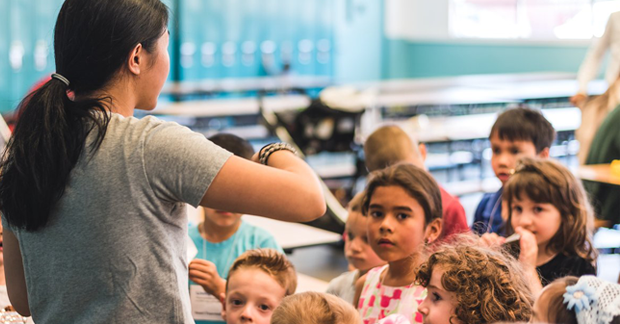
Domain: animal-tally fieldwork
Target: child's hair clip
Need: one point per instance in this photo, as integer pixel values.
(579, 296)
(594, 301)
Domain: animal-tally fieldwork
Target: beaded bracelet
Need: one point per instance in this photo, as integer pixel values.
(269, 149)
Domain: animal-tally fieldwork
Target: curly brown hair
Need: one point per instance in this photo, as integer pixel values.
(489, 285)
(547, 181)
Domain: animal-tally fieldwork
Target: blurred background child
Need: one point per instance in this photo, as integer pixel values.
(403, 204)
(257, 283)
(573, 300)
(468, 283)
(220, 238)
(314, 308)
(357, 251)
(548, 207)
(389, 145)
(517, 133)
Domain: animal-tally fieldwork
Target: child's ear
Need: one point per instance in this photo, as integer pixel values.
(544, 154)
(423, 153)
(433, 230)
(223, 301)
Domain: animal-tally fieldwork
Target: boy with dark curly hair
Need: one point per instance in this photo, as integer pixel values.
(468, 283)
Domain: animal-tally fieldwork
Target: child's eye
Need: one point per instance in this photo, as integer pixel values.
(538, 209)
(496, 150)
(435, 297)
(264, 307)
(517, 209)
(402, 216)
(350, 236)
(365, 239)
(236, 302)
(376, 214)
(515, 151)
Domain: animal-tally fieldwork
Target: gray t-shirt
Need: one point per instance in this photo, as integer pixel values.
(114, 249)
(343, 286)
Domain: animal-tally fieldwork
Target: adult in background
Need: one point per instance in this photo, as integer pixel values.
(592, 62)
(107, 190)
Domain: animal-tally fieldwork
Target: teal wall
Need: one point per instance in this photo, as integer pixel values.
(408, 59)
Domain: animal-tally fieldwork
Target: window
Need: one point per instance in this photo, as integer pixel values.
(529, 19)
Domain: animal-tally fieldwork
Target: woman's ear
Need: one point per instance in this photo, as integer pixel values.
(433, 230)
(136, 60)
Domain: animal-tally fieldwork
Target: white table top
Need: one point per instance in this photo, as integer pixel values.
(293, 235)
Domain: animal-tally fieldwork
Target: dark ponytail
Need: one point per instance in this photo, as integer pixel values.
(92, 41)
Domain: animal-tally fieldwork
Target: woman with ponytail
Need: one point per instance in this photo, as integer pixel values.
(92, 199)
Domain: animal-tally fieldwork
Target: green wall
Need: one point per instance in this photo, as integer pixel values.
(408, 59)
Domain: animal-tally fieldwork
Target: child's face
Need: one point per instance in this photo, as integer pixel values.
(396, 224)
(543, 220)
(356, 248)
(221, 218)
(439, 305)
(506, 153)
(251, 297)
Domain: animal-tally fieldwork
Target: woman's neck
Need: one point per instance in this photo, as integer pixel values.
(400, 273)
(122, 97)
(2, 278)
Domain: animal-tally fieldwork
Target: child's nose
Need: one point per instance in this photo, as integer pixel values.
(247, 315)
(423, 308)
(525, 219)
(387, 225)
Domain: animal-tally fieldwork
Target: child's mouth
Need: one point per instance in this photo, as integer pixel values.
(385, 242)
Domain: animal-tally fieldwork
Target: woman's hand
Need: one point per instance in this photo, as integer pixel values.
(204, 273)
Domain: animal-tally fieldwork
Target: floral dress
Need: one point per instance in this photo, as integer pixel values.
(378, 301)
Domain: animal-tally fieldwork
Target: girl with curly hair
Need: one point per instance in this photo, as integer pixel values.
(549, 209)
(469, 283)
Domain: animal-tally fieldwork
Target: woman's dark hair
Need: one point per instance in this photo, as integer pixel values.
(92, 41)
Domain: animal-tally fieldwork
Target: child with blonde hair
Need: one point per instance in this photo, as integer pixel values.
(469, 283)
(357, 251)
(572, 300)
(548, 208)
(389, 145)
(257, 282)
(314, 308)
(403, 204)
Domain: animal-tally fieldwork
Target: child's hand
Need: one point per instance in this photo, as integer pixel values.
(492, 239)
(528, 248)
(204, 273)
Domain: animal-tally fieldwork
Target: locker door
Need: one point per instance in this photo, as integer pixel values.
(211, 42)
(231, 47)
(20, 50)
(249, 37)
(4, 57)
(324, 37)
(305, 39)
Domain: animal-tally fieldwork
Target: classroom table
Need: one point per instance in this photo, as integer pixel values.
(288, 235)
(598, 173)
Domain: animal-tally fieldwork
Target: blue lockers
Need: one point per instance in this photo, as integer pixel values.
(218, 39)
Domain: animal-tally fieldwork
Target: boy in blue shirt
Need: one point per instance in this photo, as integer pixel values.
(517, 133)
(220, 238)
